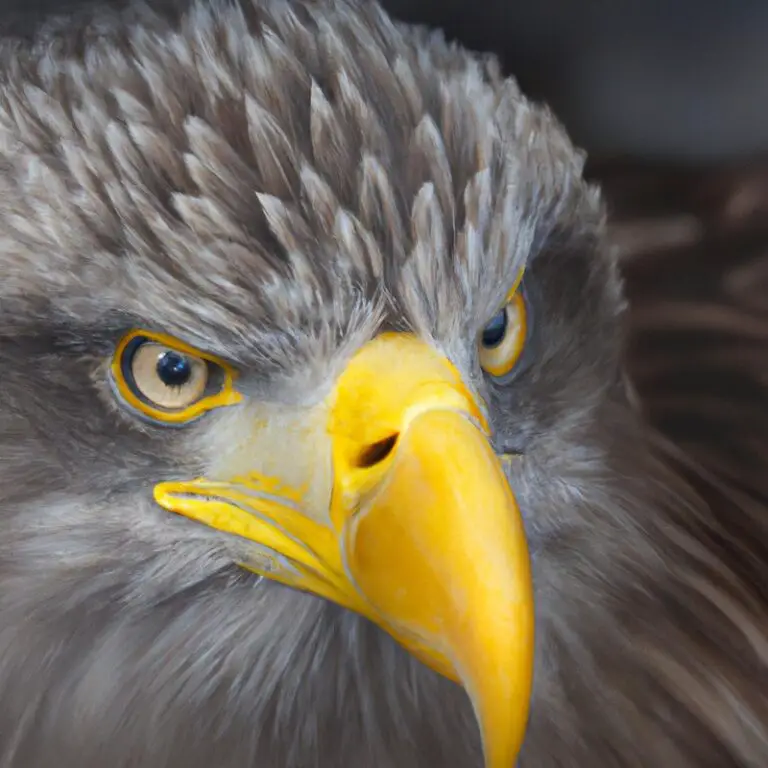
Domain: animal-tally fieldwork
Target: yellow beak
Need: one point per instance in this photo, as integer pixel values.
(421, 532)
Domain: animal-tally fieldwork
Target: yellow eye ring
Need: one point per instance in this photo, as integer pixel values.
(169, 381)
(502, 340)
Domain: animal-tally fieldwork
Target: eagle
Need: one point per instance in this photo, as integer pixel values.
(317, 446)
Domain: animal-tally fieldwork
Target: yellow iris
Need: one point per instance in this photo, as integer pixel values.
(503, 338)
(169, 381)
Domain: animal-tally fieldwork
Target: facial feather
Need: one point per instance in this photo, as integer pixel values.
(276, 182)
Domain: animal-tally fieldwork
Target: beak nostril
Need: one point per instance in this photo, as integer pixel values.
(376, 452)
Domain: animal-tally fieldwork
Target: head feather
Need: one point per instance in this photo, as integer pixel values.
(232, 148)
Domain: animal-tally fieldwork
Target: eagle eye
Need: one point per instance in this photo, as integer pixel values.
(166, 378)
(502, 339)
(496, 330)
(168, 381)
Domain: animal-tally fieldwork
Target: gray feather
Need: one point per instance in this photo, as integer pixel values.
(277, 182)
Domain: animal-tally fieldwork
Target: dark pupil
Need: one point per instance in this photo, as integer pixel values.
(494, 332)
(173, 369)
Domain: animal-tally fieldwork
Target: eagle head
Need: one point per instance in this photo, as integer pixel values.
(310, 353)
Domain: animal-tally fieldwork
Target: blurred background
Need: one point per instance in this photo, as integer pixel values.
(670, 99)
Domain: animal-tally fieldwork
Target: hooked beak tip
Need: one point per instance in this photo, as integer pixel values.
(439, 553)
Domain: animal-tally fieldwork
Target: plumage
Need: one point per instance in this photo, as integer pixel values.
(275, 183)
